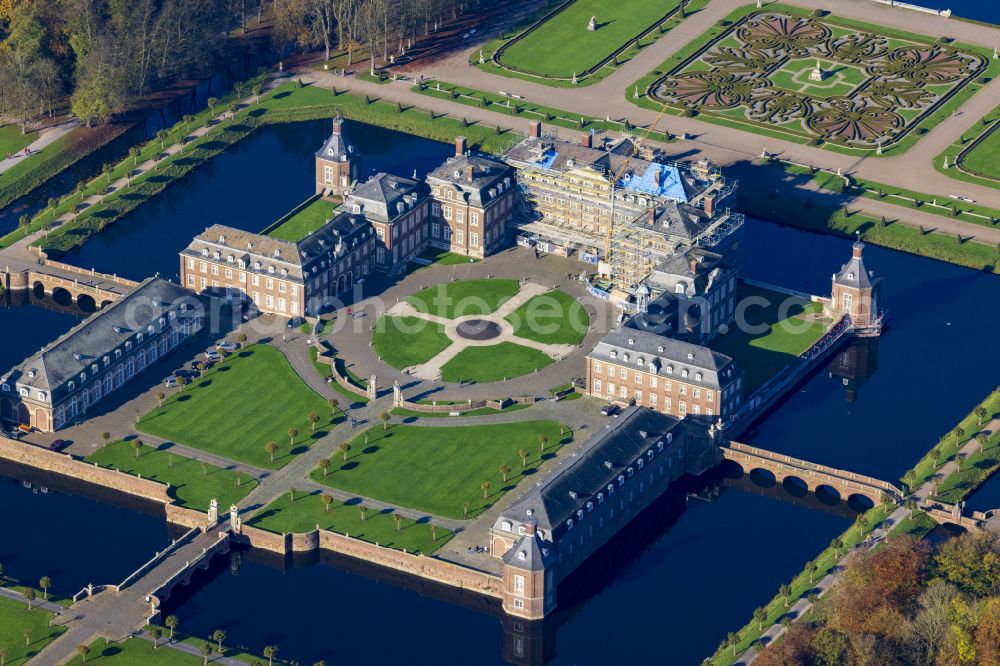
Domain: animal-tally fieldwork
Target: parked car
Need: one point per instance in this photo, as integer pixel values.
(610, 409)
(295, 322)
(58, 444)
(187, 374)
(170, 382)
(213, 356)
(227, 346)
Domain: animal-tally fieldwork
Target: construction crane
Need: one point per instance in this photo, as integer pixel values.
(637, 143)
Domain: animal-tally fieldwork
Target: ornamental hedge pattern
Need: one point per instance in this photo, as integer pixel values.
(884, 86)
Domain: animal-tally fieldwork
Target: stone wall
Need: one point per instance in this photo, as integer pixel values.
(60, 463)
(418, 565)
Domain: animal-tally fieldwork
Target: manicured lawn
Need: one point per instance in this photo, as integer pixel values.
(985, 158)
(467, 297)
(192, 484)
(405, 341)
(554, 317)
(438, 470)
(323, 370)
(11, 139)
(308, 510)
(493, 363)
(137, 652)
(15, 619)
(252, 398)
(787, 334)
(563, 46)
(839, 79)
(303, 221)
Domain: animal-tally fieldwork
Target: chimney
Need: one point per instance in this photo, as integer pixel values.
(535, 129)
(588, 140)
(470, 173)
(709, 204)
(337, 123)
(652, 216)
(530, 527)
(857, 248)
(657, 176)
(460, 146)
(693, 264)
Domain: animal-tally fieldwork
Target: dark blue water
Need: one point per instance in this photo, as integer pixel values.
(247, 187)
(68, 537)
(970, 9)
(935, 362)
(988, 495)
(24, 329)
(670, 602)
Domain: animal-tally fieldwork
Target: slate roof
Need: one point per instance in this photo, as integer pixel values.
(717, 370)
(99, 335)
(337, 146)
(528, 553)
(381, 195)
(487, 172)
(853, 273)
(338, 236)
(598, 462)
(676, 269)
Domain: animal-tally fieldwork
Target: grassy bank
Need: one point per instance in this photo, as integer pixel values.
(304, 511)
(288, 103)
(802, 213)
(23, 632)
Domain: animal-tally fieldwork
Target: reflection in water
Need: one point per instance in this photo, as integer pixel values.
(678, 548)
(854, 365)
(28, 322)
(60, 527)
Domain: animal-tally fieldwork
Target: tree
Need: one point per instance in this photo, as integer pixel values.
(83, 651)
(812, 568)
(334, 405)
(385, 417)
(155, 633)
(218, 636)
(232, 108)
(344, 447)
(981, 439)
(759, 616)
(988, 633)
(212, 101)
(206, 652)
(327, 501)
(3, 656)
(313, 418)
(862, 522)
(524, 457)
(171, 623)
(271, 447)
(971, 562)
(291, 494)
(434, 537)
(836, 544)
(292, 434)
(324, 464)
(161, 136)
(485, 487)
(97, 99)
(959, 432)
(256, 92)
(270, 652)
(136, 445)
(542, 441)
(786, 592)
(980, 415)
(732, 640)
(204, 469)
(27, 636)
(24, 221)
(45, 583)
(398, 519)
(362, 509)
(200, 367)
(504, 471)
(160, 395)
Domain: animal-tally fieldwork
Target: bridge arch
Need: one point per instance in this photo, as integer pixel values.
(62, 296)
(828, 494)
(763, 477)
(795, 485)
(38, 289)
(105, 304)
(860, 501)
(86, 303)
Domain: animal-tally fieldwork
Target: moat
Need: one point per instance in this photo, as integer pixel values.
(839, 416)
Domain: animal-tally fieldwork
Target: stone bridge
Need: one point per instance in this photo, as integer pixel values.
(64, 283)
(815, 476)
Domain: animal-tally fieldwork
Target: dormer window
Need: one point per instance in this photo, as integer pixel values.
(690, 355)
(94, 369)
(625, 358)
(614, 354)
(270, 269)
(669, 369)
(216, 255)
(684, 372)
(506, 526)
(640, 361)
(698, 376)
(569, 524)
(204, 251)
(679, 288)
(41, 395)
(850, 276)
(521, 555)
(256, 265)
(284, 271)
(631, 341)
(356, 209)
(659, 348)
(222, 239)
(69, 385)
(230, 258)
(277, 252)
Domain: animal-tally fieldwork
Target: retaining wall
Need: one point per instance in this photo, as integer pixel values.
(418, 565)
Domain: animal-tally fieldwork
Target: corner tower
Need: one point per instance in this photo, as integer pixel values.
(855, 294)
(337, 163)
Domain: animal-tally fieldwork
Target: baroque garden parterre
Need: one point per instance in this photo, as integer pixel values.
(814, 78)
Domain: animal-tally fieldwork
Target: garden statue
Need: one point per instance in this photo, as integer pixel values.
(817, 73)
(481, 58)
(574, 78)
(592, 26)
